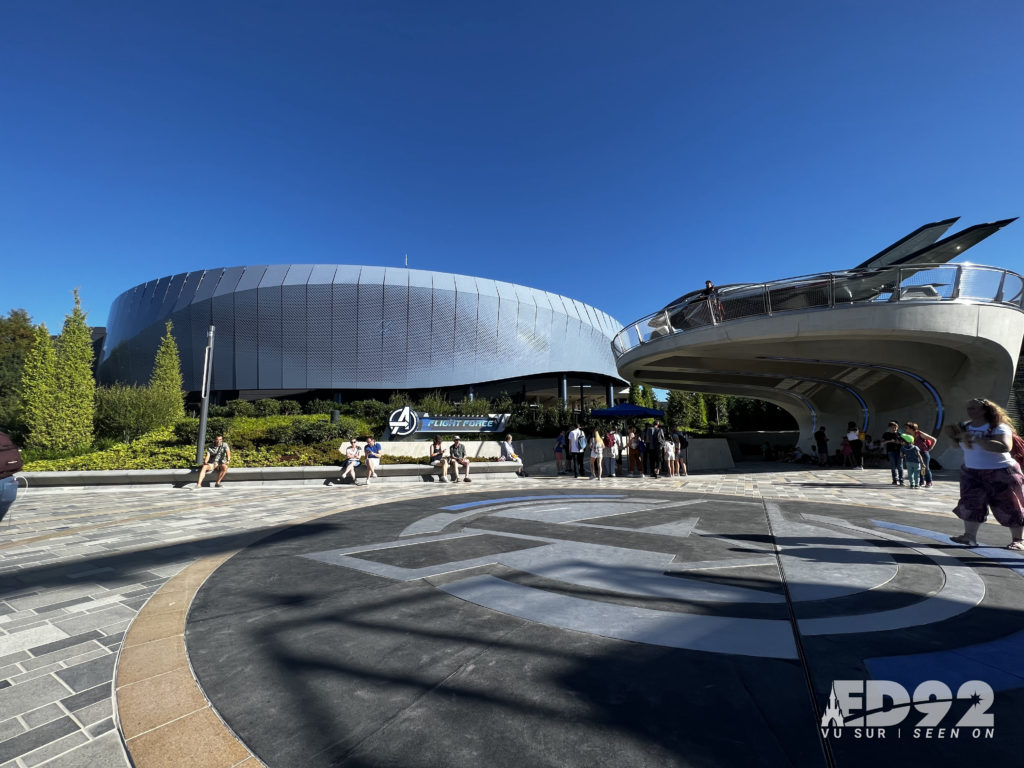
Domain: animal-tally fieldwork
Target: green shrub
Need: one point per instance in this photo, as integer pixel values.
(241, 408)
(187, 429)
(321, 406)
(436, 404)
(219, 410)
(128, 412)
(267, 407)
(290, 407)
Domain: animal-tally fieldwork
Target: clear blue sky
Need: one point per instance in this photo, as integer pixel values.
(616, 152)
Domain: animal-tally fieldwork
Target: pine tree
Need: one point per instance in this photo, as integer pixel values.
(700, 414)
(636, 394)
(648, 396)
(76, 388)
(39, 406)
(166, 382)
(677, 410)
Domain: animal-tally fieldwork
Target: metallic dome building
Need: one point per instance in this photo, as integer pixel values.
(325, 327)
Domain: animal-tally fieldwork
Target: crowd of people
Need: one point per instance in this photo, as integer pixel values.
(653, 451)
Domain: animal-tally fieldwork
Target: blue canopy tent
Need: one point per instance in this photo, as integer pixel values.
(626, 411)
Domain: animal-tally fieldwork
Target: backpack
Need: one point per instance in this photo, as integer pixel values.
(608, 440)
(10, 456)
(683, 442)
(582, 443)
(1017, 449)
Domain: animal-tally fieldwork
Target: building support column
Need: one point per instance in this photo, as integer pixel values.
(564, 391)
(611, 396)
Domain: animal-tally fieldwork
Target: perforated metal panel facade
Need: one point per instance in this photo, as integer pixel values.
(342, 327)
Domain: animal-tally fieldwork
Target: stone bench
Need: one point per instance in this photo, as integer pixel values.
(320, 475)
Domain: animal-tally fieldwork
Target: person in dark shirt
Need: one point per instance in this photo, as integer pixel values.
(892, 442)
(217, 457)
(458, 459)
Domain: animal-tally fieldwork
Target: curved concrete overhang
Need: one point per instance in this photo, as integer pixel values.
(868, 363)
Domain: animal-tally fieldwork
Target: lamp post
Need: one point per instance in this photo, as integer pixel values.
(205, 392)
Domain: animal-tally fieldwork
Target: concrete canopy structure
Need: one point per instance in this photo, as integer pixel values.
(904, 336)
(291, 328)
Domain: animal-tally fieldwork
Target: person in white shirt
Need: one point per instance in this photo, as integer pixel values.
(352, 454)
(576, 451)
(990, 477)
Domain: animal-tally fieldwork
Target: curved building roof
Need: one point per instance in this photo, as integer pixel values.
(328, 326)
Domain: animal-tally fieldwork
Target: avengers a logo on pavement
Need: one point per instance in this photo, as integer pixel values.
(884, 709)
(670, 571)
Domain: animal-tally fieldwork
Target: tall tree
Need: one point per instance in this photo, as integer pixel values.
(700, 412)
(677, 410)
(16, 335)
(636, 394)
(76, 387)
(39, 399)
(166, 381)
(648, 397)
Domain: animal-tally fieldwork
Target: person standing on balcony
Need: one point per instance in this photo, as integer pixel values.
(710, 293)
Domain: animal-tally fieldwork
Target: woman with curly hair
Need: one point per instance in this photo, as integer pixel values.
(990, 477)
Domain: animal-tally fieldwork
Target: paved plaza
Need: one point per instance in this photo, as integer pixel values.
(519, 622)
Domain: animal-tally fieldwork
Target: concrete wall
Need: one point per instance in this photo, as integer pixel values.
(539, 456)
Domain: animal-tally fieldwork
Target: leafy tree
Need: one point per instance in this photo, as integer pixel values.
(166, 382)
(636, 394)
(76, 388)
(16, 335)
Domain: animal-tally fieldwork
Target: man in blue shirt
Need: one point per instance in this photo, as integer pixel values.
(372, 452)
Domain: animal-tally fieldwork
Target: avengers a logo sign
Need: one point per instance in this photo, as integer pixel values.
(403, 422)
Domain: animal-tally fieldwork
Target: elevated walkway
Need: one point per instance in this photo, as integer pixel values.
(863, 345)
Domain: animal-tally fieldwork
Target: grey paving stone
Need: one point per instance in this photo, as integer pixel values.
(43, 715)
(104, 752)
(35, 738)
(87, 697)
(57, 606)
(95, 712)
(101, 727)
(10, 728)
(112, 640)
(41, 650)
(88, 621)
(32, 694)
(64, 653)
(10, 671)
(84, 676)
(55, 748)
(11, 658)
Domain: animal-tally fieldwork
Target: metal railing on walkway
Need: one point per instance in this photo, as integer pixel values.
(921, 283)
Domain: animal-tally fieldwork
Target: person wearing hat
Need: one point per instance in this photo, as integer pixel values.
(912, 459)
(457, 453)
